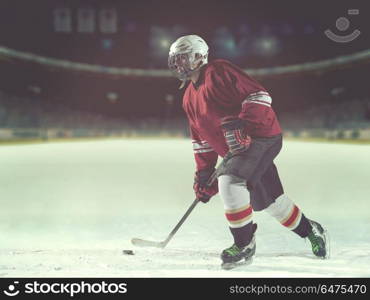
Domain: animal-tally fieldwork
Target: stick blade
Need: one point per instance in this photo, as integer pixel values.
(146, 243)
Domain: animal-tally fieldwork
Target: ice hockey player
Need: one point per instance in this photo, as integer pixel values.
(230, 115)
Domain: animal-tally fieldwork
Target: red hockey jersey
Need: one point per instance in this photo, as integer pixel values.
(223, 90)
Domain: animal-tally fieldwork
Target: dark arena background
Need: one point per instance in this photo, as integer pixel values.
(95, 147)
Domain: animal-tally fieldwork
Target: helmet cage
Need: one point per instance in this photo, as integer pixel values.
(182, 65)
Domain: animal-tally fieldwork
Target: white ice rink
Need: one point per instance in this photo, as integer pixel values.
(69, 209)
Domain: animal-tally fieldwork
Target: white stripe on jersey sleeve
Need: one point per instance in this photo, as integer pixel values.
(201, 147)
(262, 98)
(203, 150)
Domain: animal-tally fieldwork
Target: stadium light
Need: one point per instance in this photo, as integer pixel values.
(267, 46)
(165, 43)
(225, 43)
(107, 44)
(112, 97)
(161, 39)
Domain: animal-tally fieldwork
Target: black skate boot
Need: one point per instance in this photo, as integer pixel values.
(235, 256)
(319, 240)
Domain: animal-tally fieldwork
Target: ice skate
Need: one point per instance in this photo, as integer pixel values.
(319, 240)
(235, 256)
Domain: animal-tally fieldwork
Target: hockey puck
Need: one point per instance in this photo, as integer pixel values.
(128, 252)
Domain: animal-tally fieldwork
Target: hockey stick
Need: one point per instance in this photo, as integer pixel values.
(146, 243)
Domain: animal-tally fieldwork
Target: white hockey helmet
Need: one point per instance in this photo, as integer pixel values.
(187, 54)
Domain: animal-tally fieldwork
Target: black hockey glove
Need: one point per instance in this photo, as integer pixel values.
(202, 188)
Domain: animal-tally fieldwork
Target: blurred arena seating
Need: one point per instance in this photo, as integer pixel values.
(27, 120)
(23, 118)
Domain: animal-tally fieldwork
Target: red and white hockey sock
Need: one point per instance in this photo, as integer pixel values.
(238, 211)
(289, 215)
(239, 217)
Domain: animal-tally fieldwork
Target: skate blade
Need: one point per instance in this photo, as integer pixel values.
(229, 266)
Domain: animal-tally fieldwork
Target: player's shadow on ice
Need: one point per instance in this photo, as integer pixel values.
(258, 254)
(210, 260)
(287, 254)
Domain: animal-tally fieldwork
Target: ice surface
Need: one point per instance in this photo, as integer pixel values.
(69, 209)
